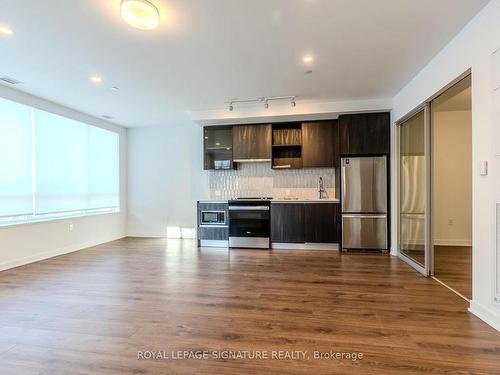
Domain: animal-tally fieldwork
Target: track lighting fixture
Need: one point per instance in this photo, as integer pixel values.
(264, 99)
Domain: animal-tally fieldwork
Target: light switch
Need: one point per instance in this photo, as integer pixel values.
(483, 168)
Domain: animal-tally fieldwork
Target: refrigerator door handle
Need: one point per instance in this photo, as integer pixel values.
(343, 184)
(363, 216)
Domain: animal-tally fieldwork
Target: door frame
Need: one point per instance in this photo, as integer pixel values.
(426, 268)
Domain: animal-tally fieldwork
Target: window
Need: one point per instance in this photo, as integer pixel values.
(52, 166)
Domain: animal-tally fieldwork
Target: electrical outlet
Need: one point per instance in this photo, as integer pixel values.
(451, 222)
(71, 227)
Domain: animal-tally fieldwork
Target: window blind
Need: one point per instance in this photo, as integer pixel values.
(16, 138)
(52, 165)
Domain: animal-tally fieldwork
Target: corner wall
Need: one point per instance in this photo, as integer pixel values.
(471, 48)
(26, 243)
(166, 178)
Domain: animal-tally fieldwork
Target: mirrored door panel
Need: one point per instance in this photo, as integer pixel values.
(413, 195)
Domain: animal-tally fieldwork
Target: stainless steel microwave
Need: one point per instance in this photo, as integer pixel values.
(213, 218)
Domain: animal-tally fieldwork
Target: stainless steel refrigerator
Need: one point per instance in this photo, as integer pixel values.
(364, 203)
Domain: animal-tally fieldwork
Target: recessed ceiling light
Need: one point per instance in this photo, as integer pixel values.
(308, 72)
(96, 79)
(114, 88)
(4, 30)
(140, 14)
(308, 59)
(107, 117)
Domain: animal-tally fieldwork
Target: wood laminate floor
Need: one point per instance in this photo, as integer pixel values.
(453, 266)
(91, 311)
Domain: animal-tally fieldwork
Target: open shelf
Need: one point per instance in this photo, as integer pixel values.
(287, 145)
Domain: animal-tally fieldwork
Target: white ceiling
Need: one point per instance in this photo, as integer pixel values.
(206, 52)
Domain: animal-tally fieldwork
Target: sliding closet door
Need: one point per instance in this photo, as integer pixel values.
(413, 194)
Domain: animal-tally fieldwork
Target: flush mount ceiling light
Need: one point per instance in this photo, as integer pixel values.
(96, 79)
(140, 14)
(308, 59)
(4, 30)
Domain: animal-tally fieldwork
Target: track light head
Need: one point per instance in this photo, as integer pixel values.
(292, 102)
(266, 104)
(231, 107)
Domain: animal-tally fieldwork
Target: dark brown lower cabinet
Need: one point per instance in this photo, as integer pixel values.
(287, 222)
(305, 222)
(322, 221)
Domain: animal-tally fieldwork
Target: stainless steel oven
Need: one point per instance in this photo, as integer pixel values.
(249, 223)
(209, 218)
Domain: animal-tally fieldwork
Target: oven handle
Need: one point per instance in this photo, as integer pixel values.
(249, 208)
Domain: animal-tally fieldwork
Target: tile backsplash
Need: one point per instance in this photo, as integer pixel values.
(260, 180)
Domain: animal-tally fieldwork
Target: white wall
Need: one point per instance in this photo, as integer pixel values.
(471, 48)
(452, 184)
(166, 178)
(26, 243)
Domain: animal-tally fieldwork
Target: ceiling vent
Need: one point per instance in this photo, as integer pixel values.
(10, 81)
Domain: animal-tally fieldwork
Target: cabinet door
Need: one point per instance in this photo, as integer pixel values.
(320, 144)
(217, 147)
(322, 222)
(367, 133)
(252, 142)
(287, 222)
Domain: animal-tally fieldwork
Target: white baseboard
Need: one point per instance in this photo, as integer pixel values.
(157, 235)
(61, 251)
(147, 235)
(487, 314)
(442, 242)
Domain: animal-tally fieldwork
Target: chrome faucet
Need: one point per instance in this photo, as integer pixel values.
(321, 189)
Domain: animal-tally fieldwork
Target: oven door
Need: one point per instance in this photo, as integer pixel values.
(249, 221)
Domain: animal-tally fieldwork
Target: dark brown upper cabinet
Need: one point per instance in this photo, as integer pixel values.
(320, 144)
(364, 134)
(252, 142)
(218, 147)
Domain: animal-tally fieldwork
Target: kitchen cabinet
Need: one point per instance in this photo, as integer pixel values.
(322, 222)
(212, 232)
(252, 142)
(320, 144)
(287, 146)
(287, 222)
(305, 222)
(364, 134)
(218, 147)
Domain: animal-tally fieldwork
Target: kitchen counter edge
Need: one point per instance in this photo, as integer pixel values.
(306, 200)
